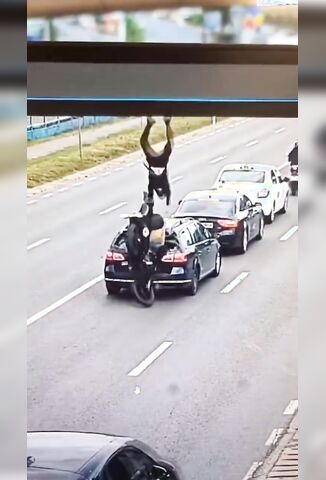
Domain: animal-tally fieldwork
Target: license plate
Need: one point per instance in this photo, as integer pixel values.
(208, 224)
(124, 264)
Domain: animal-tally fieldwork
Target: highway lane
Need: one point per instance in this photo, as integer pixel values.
(74, 237)
(212, 399)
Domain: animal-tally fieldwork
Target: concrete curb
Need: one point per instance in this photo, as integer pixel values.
(277, 464)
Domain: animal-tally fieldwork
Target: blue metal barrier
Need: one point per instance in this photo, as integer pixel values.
(59, 126)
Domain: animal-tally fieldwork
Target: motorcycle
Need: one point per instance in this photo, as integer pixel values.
(294, 180)
(143, 259)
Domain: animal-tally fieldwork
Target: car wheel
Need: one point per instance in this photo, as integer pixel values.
(294, 190)
(193, 288)
(244, 242)
(218, 264)
(271, 217)
(285, 206)
(112, 288)
(261, 229)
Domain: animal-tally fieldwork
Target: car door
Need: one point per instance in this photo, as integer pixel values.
(275, 191)
(210, 246)
(246, 214)
(199, 242)
(284, 188)
(277, 185)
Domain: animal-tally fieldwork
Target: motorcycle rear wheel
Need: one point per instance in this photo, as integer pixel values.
(144, 295)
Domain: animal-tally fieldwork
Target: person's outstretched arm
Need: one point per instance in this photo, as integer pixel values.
(144, 139)
(169, 135)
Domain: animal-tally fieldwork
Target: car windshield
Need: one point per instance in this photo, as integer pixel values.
(243, 176)
(208, 207)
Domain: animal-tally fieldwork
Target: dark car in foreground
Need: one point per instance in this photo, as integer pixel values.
(190, 253)
(229, 216)
(92, 456)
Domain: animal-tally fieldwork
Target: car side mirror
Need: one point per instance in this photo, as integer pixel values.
(163, 473)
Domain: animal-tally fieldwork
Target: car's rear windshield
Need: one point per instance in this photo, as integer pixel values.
(208, 207)
(120, 242)
(243, 176)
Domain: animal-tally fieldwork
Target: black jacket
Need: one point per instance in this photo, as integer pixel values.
(293, 156)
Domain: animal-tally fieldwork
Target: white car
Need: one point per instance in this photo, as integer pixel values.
(264, 182)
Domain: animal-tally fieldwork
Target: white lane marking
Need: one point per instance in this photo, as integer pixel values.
(285, 164)
(292, 408)
(274, 437)
(232, 285)
(63, 300)
(137, 390)
(289, 234)
(63, 189)
(112, 209)
(31, 202)
(77, 184)
(47, 195)
(176, 179)
(105, 174)
(92, 179)
(130, 164)
(38, 243)
(219, 159)
(119, 169)
(252, 143)
(280, 130)
(252, 470)
(150, 359)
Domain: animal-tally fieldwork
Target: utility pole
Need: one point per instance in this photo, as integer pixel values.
(80, 141)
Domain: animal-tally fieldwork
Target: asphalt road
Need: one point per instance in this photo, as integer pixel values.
(228, 369)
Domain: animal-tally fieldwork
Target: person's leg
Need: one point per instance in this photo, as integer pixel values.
(144, 139)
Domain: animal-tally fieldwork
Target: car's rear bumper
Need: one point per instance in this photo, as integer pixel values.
(230, 240)
(156, 281)
(167, 279)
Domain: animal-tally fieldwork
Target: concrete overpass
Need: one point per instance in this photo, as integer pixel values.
(56, 8)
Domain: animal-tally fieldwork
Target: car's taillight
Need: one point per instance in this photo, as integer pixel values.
(177, 258)
(228, 223)
(115, 256)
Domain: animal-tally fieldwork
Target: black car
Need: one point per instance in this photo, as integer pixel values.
(190, 253)
(92, 456)
(230, 216)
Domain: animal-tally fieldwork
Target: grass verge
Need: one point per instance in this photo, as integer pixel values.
(60, 164)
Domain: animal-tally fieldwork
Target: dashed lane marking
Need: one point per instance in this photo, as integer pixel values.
(235, 283)
(62, 301)
(38, 243)
(289, 234)
(218, 159)
(113, 208)
(252, 143)
(150, 359)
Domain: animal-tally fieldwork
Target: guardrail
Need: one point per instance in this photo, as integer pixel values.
(59, 125)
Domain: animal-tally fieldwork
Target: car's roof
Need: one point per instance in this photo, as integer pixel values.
(212, 194)
(69, 451)
(248, 166)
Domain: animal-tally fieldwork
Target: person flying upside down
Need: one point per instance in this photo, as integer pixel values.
(157, 162)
